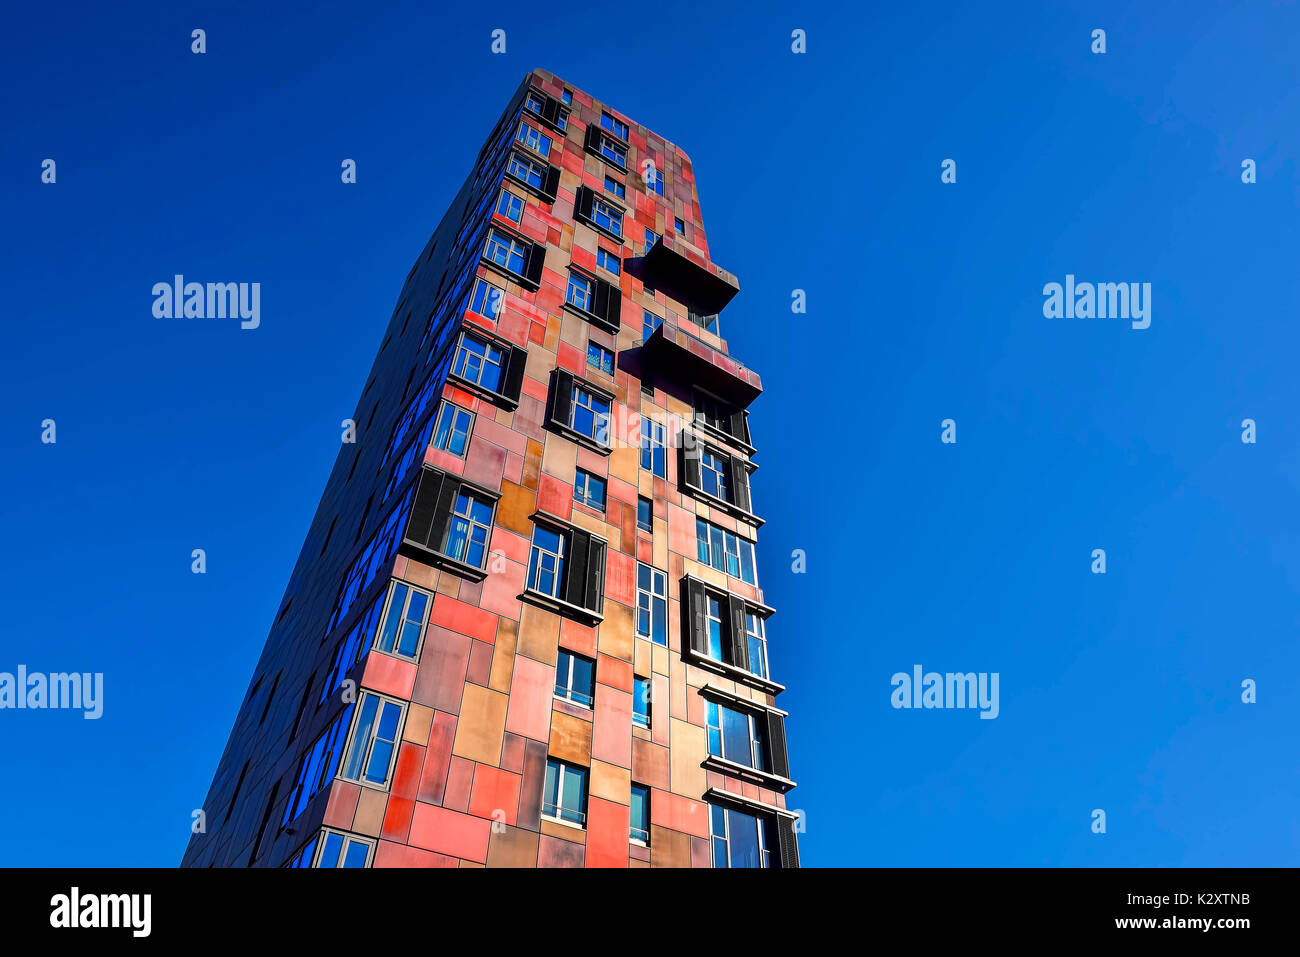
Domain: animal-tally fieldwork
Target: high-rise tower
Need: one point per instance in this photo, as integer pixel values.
(525, 628)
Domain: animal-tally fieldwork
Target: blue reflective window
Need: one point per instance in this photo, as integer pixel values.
(469, 530)
(589, 490)
(564, 792)
(600, 358)
(614, 186)
(639, 830)
(575, 678)
(607, 260)
(641, 702)
(479, 361)
(404, 622)
(546, 561)
(452, 432)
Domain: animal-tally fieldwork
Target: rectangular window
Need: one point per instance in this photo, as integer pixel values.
(575, 678)
(649, 323)
(506, 251)
(652, 447)
(600, 358)
(546, 563)
(614, 186)
(652, 604)
(564, 793)
(737, 736)
(740, 839)
(580, 292)
(567, 97)
(487, 299)
(404, 622)
(607, 260)
(589, 490)
(714, 474)
(374, 740)
(651, 237)
(644, 514)
(589, 415)
(679, 226)
(639, 831)
(510, 206)
(713, 628)
(534, 103)
(336, 850)
(654, 180)
(617, 127)
(724, 551)
(757, 644)
(641, 701)
(452, 431)
(534, 139)
(351, 648)
(526, 170)
(479, 361)
(613, 151)
(607, 216)
(469, 530)
(708, 323)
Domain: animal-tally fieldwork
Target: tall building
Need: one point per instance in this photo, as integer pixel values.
(525, 628)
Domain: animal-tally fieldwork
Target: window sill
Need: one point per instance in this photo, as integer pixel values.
(560, 606)
(510, 275)
(496, 398)
(601, 229)
(563, 823)
(745, 773)
(584, 712)
(722, 503)
(430, 557)
(576, 436)
(600, 322)
(731, 671)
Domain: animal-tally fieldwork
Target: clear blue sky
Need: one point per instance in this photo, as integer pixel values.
(818, 172)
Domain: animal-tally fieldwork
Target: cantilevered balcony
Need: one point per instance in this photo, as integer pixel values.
(684, 273)
(676, 352)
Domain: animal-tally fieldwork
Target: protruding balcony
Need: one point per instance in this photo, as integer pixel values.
(683, 272)
(689, 358)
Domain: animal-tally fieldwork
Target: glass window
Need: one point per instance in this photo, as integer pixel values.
(607, 217)
(757, 645)
(649, 323)
(643, 514)
(400, 634)
(510, 206)
(739, 839)
(534, 139)
(567, 97)
(580, 291)
(526, 170)
(487, 299)
(564, 793)
(617, 127)
(506, 251)
(737, 736)
(479, 361)
(652, 447)
(546, 563)
(614, 186)
(651, 237)
(589, 414)
(317, 767)
(374, 740)
(469, 530)
(452, 432)
(679, 226)
(639, 831)
(607, 260)
(641, 701)
(713, 627)
(341, 850)
(534, 103)
(652, 604)
(600, 358)
(724, 551)
(589, 490)
(575, 678)
(654, 180)
(614, 151)
(713, 474)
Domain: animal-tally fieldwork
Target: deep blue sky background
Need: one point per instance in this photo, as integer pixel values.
(819, 172)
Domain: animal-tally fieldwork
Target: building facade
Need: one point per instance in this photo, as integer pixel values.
(525, 628)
